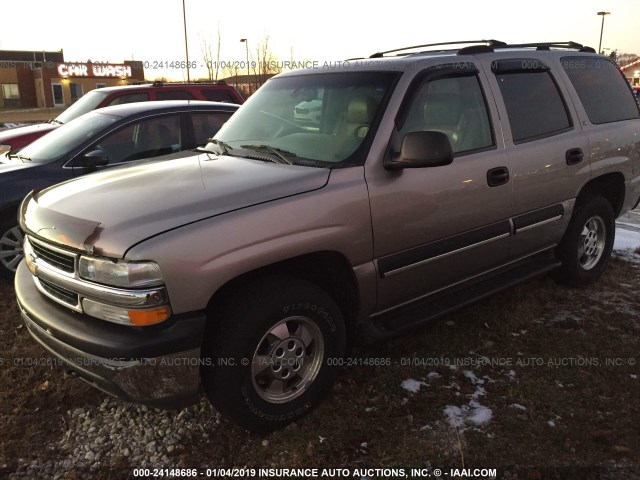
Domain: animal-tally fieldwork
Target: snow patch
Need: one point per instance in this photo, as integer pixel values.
(473, 413)
(412, 385)
(626, 239)
(626, 244)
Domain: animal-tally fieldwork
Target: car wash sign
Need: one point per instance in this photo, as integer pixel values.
(94, 70)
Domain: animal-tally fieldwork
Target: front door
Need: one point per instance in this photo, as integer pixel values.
(436, 226)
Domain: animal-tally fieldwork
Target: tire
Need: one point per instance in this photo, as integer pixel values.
(267, 355)
(11, 239)
(586, 246)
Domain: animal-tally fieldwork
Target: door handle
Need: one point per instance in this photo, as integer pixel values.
(574, 155)
(497, 176)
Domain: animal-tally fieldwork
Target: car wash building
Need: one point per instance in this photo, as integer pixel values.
(632, 72)
(44, 79)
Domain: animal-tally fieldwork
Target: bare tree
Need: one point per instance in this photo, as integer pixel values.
(623, 59)
(230, 72)
(213, 67)
(266, 63)
(207, 57)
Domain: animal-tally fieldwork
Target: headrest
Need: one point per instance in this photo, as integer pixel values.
(442, 109)
(361, 110)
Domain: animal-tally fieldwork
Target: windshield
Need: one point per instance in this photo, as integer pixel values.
(85, 104)
(67, 137)
(314, 120)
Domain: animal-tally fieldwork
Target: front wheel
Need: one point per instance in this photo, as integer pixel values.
(586, 246)
(11, 239)
(268, 355)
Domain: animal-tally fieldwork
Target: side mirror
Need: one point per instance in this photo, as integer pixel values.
(422, 149)
(93, 159)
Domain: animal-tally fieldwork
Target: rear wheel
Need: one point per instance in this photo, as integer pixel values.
(268, 353)
(11, 239)
(586, 246)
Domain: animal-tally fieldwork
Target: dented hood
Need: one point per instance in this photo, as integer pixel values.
(108, 212)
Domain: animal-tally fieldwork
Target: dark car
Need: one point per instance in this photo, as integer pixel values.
(15, 138)
(102, 138)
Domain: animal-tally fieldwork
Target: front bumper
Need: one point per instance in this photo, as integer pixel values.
(158, 366)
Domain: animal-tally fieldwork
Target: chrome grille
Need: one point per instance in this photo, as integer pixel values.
(54, 257)
(62, 294)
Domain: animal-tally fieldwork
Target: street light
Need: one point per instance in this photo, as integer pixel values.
(246, 44)
(186, 46)
(601, 29)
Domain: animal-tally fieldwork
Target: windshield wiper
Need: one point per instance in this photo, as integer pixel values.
(24, 158)
(55, 120)
(224, 148)
(280, 153)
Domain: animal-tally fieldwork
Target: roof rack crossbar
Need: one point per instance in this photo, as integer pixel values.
(569, 45)
(493, 43)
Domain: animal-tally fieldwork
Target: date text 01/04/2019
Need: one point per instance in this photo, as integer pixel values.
(314, 472)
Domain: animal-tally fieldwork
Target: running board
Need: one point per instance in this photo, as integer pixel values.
(426, 310)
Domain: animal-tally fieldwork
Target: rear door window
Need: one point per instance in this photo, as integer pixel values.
(534, 104)
(146, 138)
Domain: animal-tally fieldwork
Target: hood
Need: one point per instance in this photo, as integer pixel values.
(18, 137)
(112, 210)
(17, 178)
(11, 164)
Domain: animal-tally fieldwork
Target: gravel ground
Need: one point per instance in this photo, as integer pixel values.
(120, 432)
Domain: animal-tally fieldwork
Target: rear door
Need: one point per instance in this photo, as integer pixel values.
(546, 147)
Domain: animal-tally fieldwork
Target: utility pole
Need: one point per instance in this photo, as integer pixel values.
(186, 45)
(246, 44)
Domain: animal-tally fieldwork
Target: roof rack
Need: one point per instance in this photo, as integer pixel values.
(492, 43)
(160, 83)
(549, 45)
(483, 46)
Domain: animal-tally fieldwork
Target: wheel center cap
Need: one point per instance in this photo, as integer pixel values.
(287, 358)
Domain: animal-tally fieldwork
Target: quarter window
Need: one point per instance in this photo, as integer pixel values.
(602, 89)
(454, 106)
(206, 125)
(129, 98)
(534, 104)
(218, 96)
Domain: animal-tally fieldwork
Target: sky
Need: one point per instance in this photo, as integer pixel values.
(153, 31)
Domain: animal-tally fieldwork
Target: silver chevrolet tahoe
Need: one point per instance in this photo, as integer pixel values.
(430, 178)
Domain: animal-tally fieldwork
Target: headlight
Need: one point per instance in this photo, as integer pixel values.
(120, 273)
